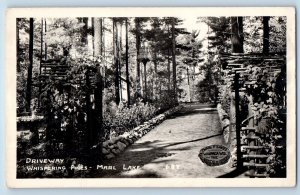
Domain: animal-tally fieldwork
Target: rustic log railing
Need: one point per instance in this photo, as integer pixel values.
(251, 147)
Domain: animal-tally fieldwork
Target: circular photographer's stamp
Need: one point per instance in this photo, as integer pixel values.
(214, 155)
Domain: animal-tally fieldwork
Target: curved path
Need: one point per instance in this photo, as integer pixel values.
(171, 149)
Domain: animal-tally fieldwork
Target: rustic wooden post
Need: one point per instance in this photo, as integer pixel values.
(237, 121)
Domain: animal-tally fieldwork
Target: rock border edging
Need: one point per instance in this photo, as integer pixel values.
(114, 146)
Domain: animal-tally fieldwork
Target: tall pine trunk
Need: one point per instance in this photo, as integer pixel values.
(169, 63)
(169, 71)
(145, 81)
(116, 61)
(127, 65)
(85, 31)
(97, 37)
(138, 45)
(99, 86)
(41, 58)
(174, 61)
(93, 35)
(46, 46)
(42, 39)
(237, 37)
(266, 34)
(29, 72)
(155, 72)
(120, 60)
(18, 46)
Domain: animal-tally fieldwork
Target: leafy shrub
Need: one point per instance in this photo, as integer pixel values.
(118, 119)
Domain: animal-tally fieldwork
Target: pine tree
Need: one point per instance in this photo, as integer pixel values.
(219, 33)
(190, 56)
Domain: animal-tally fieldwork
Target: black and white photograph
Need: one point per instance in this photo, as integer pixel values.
(152, 96)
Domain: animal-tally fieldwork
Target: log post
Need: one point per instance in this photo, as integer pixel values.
(237, 121)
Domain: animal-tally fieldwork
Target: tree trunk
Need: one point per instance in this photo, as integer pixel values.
(174, 60)
(169, 65)
(103, 53)
(145, 81)
(101, 37)
(99, 86)
(169, 72)
(93, 35)
(97, 36)
(42, 33)
(120, 59)
(84, 31)
(29, 73)
(18, 46)
(116, 60)
(127, 65)
(155, 73)
(188, 82)
(138, 44)
(89, 131)
(193, 77)
(237, 37)
(266, 35)
(46, 47)
(96, 116)
(41, 57)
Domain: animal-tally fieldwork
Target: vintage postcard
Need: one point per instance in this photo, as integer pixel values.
(151, 97)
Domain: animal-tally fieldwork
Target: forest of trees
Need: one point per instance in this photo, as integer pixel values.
(119, 43)
(119, 72)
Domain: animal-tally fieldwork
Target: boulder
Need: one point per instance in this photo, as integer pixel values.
(110, 156)
(116, 151)
(226, 134)
(224, 116)
(121, 146)
(225, 123)
(105, 144)
(126, 142)
(112, 146)
(105, 151)
(137, 128)
(114, 140)
(131, 141)
(136, 134)
(125, 135)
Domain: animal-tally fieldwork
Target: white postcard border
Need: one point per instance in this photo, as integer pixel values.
(13, 13)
